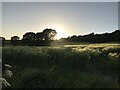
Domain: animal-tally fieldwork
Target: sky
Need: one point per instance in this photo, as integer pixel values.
(60, 0)
(67, 18)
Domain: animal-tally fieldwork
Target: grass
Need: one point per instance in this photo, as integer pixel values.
(81, 66)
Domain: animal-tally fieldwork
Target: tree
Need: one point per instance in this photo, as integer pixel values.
(29, 38)
(48, 35)
(2, 41)
(116, 36)
(15, 40)
(73, 38)
(39, 36)
(39, 39)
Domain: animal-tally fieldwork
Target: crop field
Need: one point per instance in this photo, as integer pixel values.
(65, 66)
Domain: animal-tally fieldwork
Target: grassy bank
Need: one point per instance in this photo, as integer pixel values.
(81, 66)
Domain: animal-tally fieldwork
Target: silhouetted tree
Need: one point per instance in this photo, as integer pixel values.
(29, 38)
(97, 38)
(2, 41)
(15, 40)
(73, 38)
(39, 39)
(48, 35)
(115, 36)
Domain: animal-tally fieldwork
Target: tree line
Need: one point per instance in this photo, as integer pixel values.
(45, 38)
(95, 38)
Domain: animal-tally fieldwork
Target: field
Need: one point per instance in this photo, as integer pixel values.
(64, 66)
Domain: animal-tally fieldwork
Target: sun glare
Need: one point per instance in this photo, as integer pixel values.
(61, 33)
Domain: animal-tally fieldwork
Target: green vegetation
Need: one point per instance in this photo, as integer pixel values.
(70, 66)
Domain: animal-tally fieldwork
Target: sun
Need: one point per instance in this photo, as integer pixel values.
(61, 33)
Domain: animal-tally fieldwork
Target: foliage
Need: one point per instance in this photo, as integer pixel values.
(15, 40)
(28, 38)
(95, 38)
(39, 39)
(82, 66)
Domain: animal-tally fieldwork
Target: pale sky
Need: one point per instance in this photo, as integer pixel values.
(60, 0)
(67, 18)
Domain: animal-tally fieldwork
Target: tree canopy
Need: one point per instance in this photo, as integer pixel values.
(15, 40)
(40, 38)
(45, 38)
(96, 38)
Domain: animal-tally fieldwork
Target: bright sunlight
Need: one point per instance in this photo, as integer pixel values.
(61, 33)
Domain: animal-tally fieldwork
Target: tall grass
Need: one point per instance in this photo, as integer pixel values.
(84, 66)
